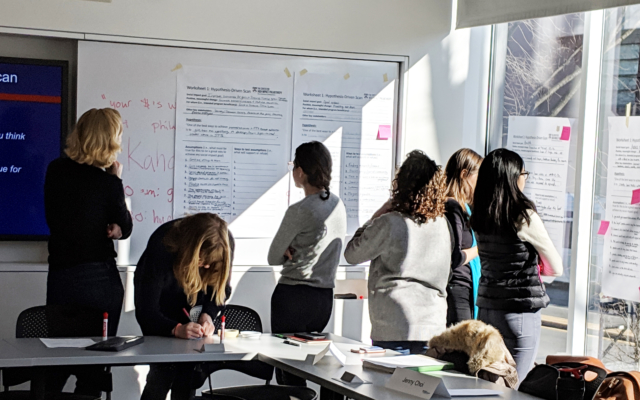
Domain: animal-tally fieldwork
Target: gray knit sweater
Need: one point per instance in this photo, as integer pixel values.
(408, 276)
(315, 230)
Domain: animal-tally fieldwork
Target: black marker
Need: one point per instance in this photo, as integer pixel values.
(291, 343)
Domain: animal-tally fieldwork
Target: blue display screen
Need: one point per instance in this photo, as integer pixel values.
(32, 112)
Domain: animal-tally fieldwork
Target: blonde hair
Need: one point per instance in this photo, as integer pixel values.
(458, 187)
(201, 239)
(96, 138)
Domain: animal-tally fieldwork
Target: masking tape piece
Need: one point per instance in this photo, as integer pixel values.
(304, 71)
(286, 71)
(177, 67)
(385, 78)
(347, 76)
(628, 114)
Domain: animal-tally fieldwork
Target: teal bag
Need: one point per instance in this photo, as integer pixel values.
(475, 272)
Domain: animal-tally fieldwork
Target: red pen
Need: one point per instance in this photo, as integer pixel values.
(184, 310)
(222, 319)
(105, 326)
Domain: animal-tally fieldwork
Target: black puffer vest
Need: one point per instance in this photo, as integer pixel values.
(510, 279)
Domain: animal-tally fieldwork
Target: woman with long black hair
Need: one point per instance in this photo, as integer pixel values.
(515, 249)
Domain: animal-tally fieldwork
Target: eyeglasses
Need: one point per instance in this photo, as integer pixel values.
(291, 166)
(526, 174)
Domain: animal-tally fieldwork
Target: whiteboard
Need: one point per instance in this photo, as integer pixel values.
(140, 82)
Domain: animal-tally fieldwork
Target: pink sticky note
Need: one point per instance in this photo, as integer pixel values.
(604, 227)
(566, 133)
(635, 196)
(384, 132)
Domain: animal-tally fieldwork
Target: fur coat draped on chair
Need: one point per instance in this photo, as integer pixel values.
(477, 349)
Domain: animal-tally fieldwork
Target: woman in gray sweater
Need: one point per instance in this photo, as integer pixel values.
(308, 245)
(409, 244)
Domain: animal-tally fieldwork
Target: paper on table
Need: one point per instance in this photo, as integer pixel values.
(473, 392)
(411, 361)
(76, 343)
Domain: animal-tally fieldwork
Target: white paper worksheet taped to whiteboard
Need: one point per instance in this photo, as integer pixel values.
(140, 82)
(354, 119)
(232, 145)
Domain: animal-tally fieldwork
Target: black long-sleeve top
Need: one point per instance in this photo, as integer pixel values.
(80, 201)
(159, 298)
(459, 220)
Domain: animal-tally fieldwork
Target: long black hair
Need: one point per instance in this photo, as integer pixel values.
(499, 204)
(315, 160)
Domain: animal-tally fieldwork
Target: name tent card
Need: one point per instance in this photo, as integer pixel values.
(416, 384)
(351, 379)
(314, 358)
(425, 386)
(340, 356)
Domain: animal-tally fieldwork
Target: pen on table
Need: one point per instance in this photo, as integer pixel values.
(291, 343)
(105, 326)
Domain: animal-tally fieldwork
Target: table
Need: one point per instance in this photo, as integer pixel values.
(324, 372)
(33, 353)
(269, 349)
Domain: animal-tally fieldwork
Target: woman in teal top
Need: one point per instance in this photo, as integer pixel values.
(462, 173)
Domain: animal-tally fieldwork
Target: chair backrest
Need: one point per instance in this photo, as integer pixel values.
(58, 321)
(240, 318)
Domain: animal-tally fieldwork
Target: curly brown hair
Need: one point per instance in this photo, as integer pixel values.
(419, 188)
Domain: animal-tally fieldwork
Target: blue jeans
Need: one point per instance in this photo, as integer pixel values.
(521, 334)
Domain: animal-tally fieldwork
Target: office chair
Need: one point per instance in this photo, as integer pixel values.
(245, 319)
(55, 321)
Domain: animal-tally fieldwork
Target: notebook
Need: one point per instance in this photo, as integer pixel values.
(414, 362)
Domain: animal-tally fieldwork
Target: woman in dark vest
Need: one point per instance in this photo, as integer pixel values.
(512, 243)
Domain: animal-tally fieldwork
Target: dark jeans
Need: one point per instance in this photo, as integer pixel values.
(93, 285)
(299, 308)
(521, 334)
(403, 346)
(459, 304)
(175, 377)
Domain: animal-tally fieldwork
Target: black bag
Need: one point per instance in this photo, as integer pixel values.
(563, 381)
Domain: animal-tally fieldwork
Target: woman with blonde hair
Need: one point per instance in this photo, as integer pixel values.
(409, 244)
(462, 173)
(187, 263)
(85, 210)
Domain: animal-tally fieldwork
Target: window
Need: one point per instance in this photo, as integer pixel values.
(613, 328)
(535, 100)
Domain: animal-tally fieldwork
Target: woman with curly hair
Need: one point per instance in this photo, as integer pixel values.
(409, 243)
